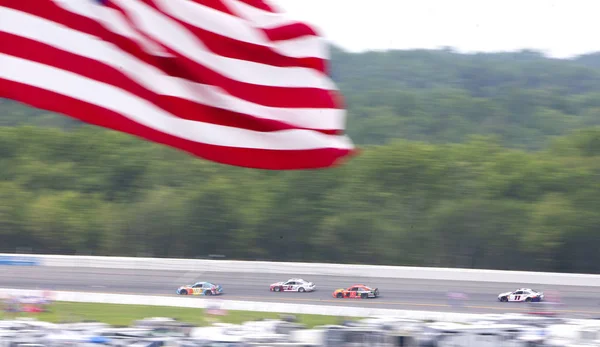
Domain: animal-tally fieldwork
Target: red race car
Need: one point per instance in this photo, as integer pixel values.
(357, 291)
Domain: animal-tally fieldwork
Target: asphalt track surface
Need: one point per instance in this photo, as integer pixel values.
(404, 294)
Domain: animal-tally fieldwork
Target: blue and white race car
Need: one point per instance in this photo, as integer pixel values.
(522, 295)
(200, 288)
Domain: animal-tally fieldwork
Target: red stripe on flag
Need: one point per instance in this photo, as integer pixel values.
(290, 31)
(215, 4)
(260, 4)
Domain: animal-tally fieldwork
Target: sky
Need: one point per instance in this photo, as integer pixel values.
(559, 28)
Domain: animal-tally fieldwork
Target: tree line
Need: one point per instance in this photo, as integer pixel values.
(475, 204)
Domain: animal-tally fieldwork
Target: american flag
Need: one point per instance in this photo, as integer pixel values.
(232, 81)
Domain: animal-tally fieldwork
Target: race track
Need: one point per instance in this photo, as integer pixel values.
(395, 293)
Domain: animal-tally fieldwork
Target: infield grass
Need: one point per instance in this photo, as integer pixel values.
(115, 314)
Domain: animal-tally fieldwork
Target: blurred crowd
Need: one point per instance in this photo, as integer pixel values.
(15, 303)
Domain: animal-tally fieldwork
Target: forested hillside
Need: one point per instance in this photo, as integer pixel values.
(475, 204)
(440, 96)
(487, 161)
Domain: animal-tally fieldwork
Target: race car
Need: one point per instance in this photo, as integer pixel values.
(293, 285)
(522, 295)
(357, 291)
(200, 288)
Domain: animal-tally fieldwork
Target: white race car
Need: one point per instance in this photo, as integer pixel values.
(522, 295)
(293, 285)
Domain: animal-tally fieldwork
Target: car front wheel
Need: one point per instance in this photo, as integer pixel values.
(504, 299)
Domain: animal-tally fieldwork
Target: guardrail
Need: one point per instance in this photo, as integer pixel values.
(289, 268)
(234, 305)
